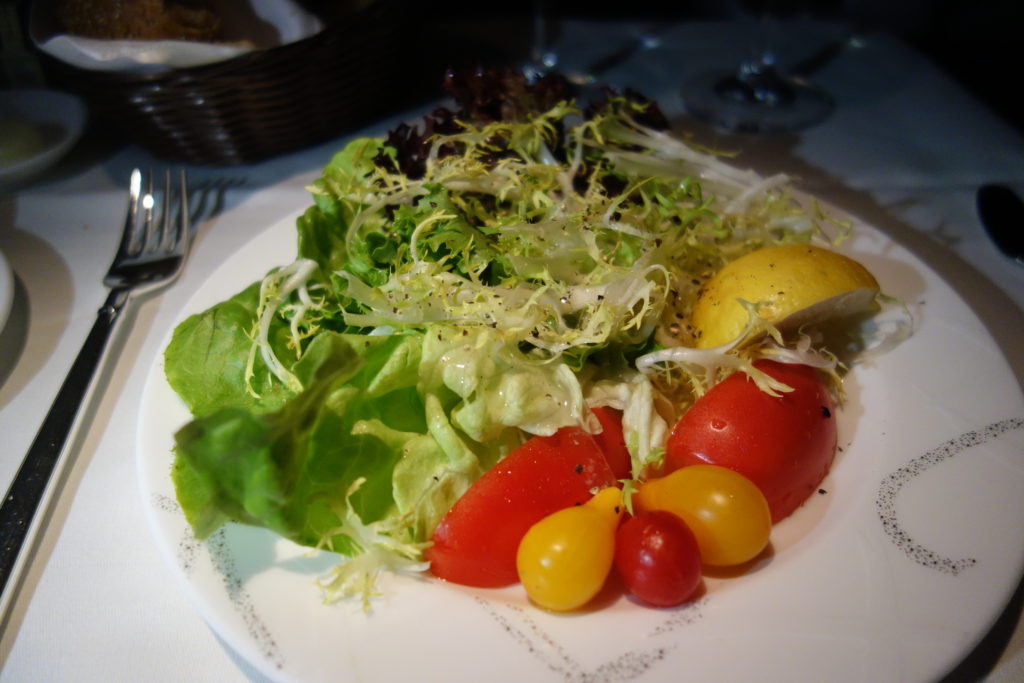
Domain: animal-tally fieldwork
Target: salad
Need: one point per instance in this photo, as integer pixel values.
(509, 285)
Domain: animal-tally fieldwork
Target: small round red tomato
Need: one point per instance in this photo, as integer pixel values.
(657, 558)
(785, 444)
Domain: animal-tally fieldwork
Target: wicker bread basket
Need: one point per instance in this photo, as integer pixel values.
(265, 102)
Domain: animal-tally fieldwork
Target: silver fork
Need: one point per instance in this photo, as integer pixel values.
(153, 249)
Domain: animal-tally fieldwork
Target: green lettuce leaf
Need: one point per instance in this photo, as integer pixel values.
(323, 228)
(289, 469)
(206, 360)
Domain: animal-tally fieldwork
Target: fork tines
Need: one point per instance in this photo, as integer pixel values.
(147, 231)
(156, 237)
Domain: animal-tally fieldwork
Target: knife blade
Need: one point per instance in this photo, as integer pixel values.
(1002, 215)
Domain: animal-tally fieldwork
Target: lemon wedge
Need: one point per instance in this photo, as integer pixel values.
(797, 284)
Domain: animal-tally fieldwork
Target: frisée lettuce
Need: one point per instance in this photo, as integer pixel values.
(455, 290)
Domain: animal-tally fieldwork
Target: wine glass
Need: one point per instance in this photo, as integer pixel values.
(759, 95)
(543, 58)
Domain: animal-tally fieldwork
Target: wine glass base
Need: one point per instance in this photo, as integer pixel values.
(789, 105)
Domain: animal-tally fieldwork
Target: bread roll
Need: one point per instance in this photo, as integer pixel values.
(138, 20)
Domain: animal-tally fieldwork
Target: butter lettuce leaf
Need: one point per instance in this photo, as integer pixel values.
(289, 470)
(206, 360)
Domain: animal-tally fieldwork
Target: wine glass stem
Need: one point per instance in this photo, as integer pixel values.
(758, 78)
(541, 53)
(762, 57)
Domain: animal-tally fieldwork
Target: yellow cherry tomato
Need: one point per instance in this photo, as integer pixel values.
(564, 559)
(727, 513)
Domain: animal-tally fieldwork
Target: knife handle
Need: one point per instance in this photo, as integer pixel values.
(25, 507)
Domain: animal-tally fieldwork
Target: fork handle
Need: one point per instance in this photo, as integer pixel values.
(34, 485)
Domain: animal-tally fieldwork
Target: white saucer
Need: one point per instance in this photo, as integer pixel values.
(6, 290)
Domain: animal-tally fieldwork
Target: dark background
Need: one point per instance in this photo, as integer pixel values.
(975, 41)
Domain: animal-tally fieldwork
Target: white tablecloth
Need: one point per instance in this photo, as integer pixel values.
(905, 151)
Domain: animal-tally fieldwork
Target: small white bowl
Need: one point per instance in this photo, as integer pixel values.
(37, 128)
(6, 292)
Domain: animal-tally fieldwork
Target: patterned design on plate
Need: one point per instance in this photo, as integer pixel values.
(624, 667)
(223, 560)
(680, 617)
(885, 503)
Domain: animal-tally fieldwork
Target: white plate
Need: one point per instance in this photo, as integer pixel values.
(894, 573)
(6, 290)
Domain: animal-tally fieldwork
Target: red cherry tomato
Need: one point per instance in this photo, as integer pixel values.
(783, 444)
(475, 543)
(612, 442)
(657, 558)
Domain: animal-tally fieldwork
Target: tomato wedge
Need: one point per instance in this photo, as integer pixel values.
(475, 543)
(612, 441)
(783, 444)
